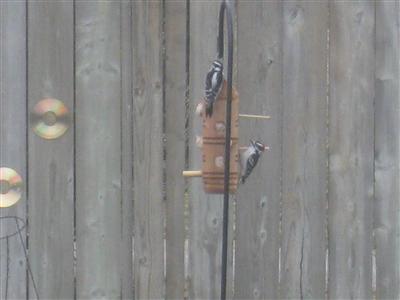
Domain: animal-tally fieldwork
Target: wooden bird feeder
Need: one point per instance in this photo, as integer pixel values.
(213, 146)
(221, 176)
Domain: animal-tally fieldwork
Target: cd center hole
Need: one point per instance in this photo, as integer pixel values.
(4, 187)
(50, 118)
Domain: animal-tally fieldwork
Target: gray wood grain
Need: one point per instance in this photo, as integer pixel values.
(132, 140)
(304, 150)
(351, 149)
(126, 263)
(99, 202)
(149, 213)
(258, 201)
(13, 141)
(175, 133)
(51, 174)
(205, 223)
(387, 150)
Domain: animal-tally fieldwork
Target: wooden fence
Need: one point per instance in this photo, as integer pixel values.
(107, 212)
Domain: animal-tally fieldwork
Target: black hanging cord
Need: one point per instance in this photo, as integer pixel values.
(19, 225)
(226, 7)
(28, 265)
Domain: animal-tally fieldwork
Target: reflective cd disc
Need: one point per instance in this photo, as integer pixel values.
(10, 187)
(50, 118)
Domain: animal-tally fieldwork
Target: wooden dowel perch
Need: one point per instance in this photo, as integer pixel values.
(244, 148)
(255, 116)
(198, 173)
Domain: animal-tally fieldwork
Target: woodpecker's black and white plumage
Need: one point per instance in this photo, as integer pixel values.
(249, 158)
(214, 82)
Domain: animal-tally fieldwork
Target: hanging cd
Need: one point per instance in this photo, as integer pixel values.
(10, 187)
(50, 118)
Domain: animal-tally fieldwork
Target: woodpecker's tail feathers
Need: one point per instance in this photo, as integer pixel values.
(209, 110)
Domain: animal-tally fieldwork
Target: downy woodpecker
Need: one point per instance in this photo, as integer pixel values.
(214, 82)
(249, 158)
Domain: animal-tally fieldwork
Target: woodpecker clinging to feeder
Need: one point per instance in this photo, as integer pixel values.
(214, 82)
(250, 158)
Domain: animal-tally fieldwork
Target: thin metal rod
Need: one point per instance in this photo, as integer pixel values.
(227, 8)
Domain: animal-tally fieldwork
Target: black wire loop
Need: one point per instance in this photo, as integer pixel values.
(20, 225)
(226, 7)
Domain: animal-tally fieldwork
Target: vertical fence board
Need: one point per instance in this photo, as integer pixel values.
(98, 150)
(51, 176)
(205, 225)
(351, 149)
(13, 141)
(122, 83)
(175, 118)
(304, 149)
(148, 150)
(258, 201)
(126, 263)
(387, 151)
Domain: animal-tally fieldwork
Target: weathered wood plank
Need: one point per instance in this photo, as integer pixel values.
(351, 149)
(126, 263)
(148, 150)
(387, 150)
(99, 202)
(304, 153)
(51, 174)
(258, 201)
(205, 224)
(13, 141)
(175, 16)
